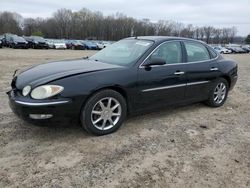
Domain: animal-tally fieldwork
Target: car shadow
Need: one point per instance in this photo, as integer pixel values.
(74, 129)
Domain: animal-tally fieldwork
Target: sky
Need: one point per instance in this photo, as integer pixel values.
(218, 13)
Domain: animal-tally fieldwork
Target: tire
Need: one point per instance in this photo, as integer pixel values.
(89, 113)
(222, 94)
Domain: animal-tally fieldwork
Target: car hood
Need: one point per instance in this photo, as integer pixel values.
(44, 73)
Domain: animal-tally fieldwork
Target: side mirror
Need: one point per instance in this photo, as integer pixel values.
(154, 61)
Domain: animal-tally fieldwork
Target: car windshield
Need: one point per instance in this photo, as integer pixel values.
(39, 39)
(59, 41)
(123, 52)
(19, 39)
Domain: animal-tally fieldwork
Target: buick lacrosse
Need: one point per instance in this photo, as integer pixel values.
(132, 75)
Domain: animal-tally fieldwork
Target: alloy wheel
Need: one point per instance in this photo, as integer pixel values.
(106, 113)
(220, 93)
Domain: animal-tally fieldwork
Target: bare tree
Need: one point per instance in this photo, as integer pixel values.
(86, 24)
(208, 31)
(9, 23)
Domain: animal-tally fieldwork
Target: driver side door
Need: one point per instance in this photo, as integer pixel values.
(160, 85)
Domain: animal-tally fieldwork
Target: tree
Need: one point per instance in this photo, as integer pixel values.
(9, 23)
(208, 33)
(247, 40)
(86, 24)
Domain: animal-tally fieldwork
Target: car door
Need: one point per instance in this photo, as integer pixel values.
(162, 84)
(201, 69)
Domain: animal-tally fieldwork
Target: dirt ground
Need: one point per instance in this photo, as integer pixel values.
(191, 146)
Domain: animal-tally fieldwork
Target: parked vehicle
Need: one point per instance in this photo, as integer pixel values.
(36, 42)
(77, 45)
(17, 42)
(130, 76)
(99, 45)
(50, 43)
(247, 49)
(89, 45)
(59, 44)
(7, 39)
(236, 50)
(222, 50)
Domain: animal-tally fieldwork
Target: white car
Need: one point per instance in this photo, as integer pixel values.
(222, 50)
(59, 44)
(100, 45)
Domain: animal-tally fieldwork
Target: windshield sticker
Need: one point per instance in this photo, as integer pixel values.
(143, 43)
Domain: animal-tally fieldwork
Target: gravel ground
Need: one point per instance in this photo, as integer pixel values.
(191, 146)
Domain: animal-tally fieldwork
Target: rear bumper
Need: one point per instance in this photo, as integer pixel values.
(52, 110)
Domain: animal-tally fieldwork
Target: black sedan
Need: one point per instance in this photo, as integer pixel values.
(37, 42)
(17, 42)
(130, 76)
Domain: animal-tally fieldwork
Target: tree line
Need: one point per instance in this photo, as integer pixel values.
(86, 24)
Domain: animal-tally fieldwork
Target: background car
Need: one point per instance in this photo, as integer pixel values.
(100, 45)
(59, 44)
(236, 49)
(246, 48)
(222, 50)
(36, 42)
(50, 43)
(89, 45)
(77, 45)
(6, 39)
(17, 42)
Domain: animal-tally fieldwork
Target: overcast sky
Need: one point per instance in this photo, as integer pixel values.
(219, 13)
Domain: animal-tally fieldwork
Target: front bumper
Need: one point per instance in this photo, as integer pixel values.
(233, 82)
(29, 109)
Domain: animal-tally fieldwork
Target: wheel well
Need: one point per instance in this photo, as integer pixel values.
(115, 88)
(227, 78)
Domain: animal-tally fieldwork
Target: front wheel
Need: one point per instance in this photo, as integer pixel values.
(104, 112)
(218, 94)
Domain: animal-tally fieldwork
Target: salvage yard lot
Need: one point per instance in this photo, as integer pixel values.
(191, 146)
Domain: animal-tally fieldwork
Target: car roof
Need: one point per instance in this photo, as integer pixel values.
(163, 38)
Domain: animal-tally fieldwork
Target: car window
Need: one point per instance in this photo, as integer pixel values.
(123, 52)
(196, 52)
(170, 52)
(213, 53)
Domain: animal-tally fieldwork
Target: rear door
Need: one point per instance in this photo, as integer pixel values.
(201, 69)
(162, 84)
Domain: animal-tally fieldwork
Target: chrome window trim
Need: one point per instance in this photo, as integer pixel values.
(40, 104)
(174, 86)
(184, 63)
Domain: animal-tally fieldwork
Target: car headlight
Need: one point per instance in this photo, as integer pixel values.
(46, 91)
(26, 90)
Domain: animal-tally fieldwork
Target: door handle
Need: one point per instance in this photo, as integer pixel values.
(179, 73)
(214, 69)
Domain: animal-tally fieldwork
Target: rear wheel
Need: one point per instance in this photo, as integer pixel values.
(218, 94)
(104, 112)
